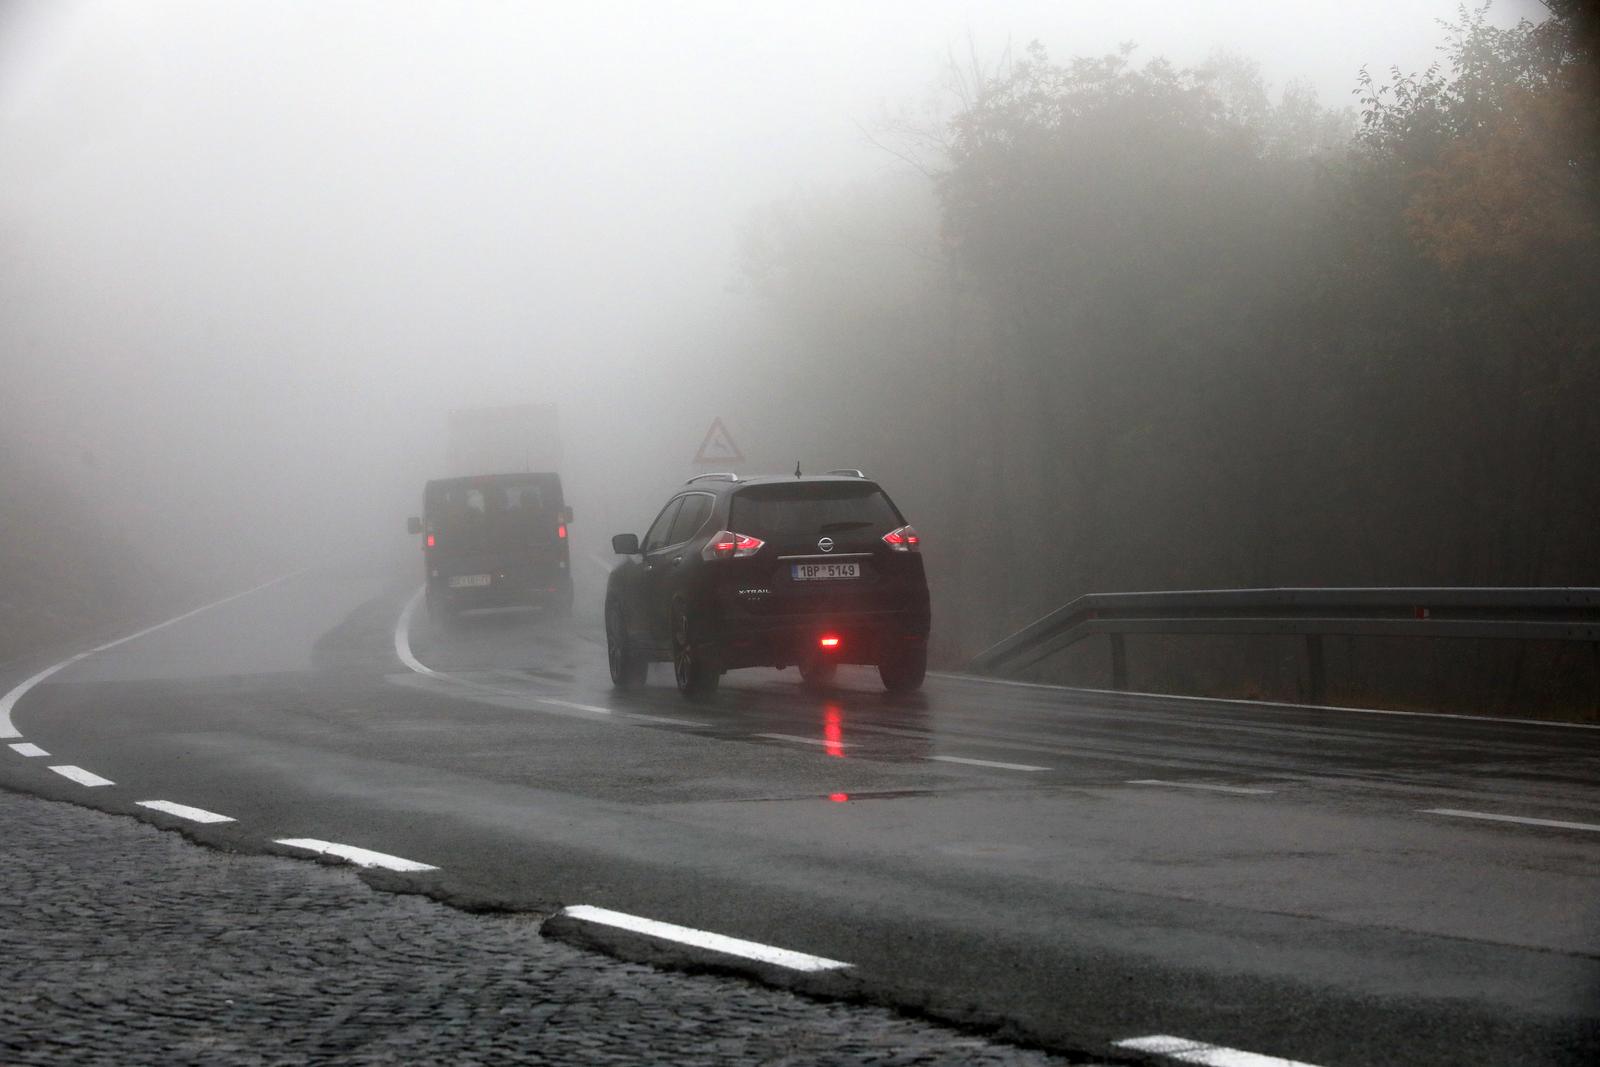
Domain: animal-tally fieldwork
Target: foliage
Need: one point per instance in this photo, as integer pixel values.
(1198, 336)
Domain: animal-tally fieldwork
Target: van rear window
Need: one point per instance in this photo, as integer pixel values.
(810, 509)
(490, 513)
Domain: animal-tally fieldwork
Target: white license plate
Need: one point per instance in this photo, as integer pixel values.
(809, 572)
(468, 581)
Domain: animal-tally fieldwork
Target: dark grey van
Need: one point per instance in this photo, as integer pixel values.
(495, 540)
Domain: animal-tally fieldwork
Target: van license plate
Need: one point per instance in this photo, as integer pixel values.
(807, 572)
(467, 581)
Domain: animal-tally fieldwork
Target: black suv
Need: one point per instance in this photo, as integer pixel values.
(768, 572)
(494, 540)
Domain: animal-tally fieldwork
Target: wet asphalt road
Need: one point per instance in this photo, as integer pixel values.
(1074, 869)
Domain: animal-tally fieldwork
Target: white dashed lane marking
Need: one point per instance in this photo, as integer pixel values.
(1184, 1050)
(988, 763)
(361, 857)
(823, 742)
(25, 748)
(184, 811)
(684, 935)
(1524, 820)
(81, 776)
(696, 723)
(1239, 789)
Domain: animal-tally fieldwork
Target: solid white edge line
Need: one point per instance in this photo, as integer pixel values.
(569, 704)
(1525, 820)
(1188, 1051)
(402, 650)
(9, 701)
(684, 935)
(361, 857)
(81, 776)
(805, 740)
(978, 679)
(988, 763)
(1244, 790)
(184, 811)
(26, 748)
(402, 635)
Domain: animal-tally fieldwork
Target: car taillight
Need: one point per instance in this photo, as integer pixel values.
(561, 531)
(904, 539)
(725, 544)
(430, 540)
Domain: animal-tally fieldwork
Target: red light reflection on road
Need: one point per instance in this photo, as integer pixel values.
(833, 730)
(839, 798)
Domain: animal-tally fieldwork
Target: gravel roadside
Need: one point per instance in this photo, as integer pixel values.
(125, 944)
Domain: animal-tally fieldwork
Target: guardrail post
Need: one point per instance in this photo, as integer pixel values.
(1314, 671)
(1119, 663)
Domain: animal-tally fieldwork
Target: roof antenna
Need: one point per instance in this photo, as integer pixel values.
(797, 468)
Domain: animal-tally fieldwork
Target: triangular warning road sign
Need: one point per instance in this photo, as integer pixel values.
(718, 447)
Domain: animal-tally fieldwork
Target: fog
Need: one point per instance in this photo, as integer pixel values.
(256, 251)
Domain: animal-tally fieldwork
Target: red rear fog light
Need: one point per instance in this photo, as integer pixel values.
(829, 641)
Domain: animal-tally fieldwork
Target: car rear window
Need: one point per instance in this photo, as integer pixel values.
(809, 509)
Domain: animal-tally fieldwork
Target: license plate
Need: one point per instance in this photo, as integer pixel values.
(810, 572)
(468, 581)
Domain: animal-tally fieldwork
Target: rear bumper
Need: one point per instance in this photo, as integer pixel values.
(740, 640)
(504, 590)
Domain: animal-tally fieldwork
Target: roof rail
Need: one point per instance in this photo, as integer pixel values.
(849, 471)
(721, 476)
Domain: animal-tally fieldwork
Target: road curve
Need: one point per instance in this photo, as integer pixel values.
(1108, 874)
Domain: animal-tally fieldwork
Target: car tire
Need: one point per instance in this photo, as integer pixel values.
(696, 673)
(627, 666)
(904, 671)
(818, 671)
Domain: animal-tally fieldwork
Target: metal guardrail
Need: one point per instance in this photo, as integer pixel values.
(1543, 614)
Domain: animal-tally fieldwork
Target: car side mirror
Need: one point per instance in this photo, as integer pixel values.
(413, 525)
(625, 544)
(566, 514)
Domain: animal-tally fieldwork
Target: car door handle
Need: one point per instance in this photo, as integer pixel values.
(676, 560)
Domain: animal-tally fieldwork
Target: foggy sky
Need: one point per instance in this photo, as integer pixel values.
(256, 250)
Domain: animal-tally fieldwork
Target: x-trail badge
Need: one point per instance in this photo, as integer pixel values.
(826, 544)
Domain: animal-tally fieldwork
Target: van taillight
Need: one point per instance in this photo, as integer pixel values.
(430, 540)
(561, 531)
(904, 539)
(725, 544)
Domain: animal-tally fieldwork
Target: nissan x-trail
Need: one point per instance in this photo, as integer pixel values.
(770, 572)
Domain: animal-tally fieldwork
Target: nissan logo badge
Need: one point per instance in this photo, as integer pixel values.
(826, 544)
